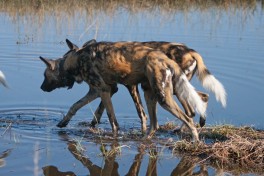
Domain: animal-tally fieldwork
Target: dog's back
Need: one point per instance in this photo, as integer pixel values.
(123, 64)
(132, 63)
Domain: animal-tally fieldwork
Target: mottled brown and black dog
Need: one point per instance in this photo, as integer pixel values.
(102, 65)
(190, 62)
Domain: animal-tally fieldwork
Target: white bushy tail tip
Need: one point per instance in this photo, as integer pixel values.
(187, 92)
(212, 84)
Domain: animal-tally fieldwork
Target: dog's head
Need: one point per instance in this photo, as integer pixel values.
(55, 76)
(63, 72)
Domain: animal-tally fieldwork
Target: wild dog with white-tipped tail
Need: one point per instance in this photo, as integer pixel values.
(190, 62)
(102, 65)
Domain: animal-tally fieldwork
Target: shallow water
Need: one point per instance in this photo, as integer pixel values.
(230, 40)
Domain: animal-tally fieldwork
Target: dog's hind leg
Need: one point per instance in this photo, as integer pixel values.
(133, 90)
(100, 109)
(170, 105)
(165, 99)
(89, 97)
(160, 80)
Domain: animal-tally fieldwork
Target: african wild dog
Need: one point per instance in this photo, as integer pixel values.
(102, 66)
(190, 62)
(2, 79)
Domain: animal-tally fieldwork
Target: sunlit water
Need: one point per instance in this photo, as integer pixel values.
(231, 43)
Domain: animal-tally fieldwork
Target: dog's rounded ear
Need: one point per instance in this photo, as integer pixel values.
(89, 43)
(49, 63)
(71, 45)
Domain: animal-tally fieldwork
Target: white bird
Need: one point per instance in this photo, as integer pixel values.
(2, 79)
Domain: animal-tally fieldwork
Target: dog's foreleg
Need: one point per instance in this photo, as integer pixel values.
(189, 111)
(133, 90)
(89, 97)
(205, 98)
(170, 105)
(100, 109)
(106, 99)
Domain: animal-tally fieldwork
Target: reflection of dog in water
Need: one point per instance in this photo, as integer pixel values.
(2, 79)
(186, 166)
(52, 170)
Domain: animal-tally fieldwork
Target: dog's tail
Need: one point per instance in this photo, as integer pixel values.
(187, 92)
(2, 79)
(208, 80)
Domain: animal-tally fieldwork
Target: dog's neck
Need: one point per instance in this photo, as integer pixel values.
(72, 65)
(72, 70)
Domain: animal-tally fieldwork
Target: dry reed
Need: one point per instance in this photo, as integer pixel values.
(91, 7)
(238, 150)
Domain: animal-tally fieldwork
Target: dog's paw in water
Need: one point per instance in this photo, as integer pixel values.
(62, 124)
